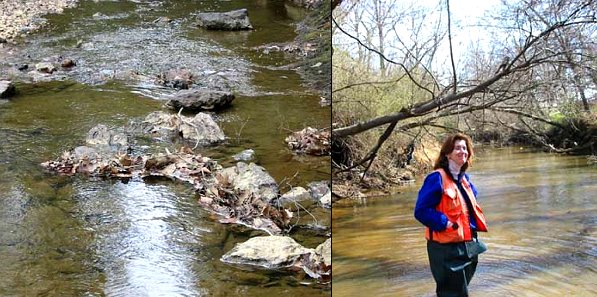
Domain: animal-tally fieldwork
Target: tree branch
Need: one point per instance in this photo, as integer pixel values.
(382, 56)
(454, 80)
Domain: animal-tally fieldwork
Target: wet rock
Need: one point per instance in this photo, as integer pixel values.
(319, 263)
(196, 100)
(273, 252)
(99, 134)
(252, 179)
(68, 63)
(201, 129)
(7, 89)
(244, 199)
(325, 251)
(85, 152)
(105, 139)
(246, 155)
(295, 195)
(176, 78)
(99, 16)
(318, 189)
(45, 67)
(310, 141)
(282, 252)
(232, 20)
(326, 200)
(163, 20)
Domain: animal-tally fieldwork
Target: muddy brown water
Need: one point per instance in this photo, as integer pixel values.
(80, 236)
(542, 215)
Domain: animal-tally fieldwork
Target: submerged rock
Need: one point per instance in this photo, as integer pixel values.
(232, 20)
(196, 100)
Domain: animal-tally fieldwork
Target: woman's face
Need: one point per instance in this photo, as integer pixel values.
(460, 153)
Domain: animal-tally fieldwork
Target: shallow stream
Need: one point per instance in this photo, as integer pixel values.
(542, 218)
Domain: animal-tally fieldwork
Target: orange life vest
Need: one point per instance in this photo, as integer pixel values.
(453, 205)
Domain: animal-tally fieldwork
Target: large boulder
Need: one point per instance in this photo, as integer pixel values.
(252, 178)
(273, 252)
(7, 89)
(196, 100)
(231, 20)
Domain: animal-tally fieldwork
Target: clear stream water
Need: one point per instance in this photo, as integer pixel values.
(78, 236)
(542, 215)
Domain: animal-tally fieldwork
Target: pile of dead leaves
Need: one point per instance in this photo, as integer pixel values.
(243, 207)
(310, 141)
(216, 193)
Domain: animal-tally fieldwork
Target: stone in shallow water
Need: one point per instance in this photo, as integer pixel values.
(254, 179)
(231, 20)
(197, 100)
(246, 155)
(267, 251)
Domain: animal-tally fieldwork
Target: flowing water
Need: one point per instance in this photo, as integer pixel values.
(79, 236)
(542, 217)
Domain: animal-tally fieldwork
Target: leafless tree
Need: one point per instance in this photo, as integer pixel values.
(541, 44)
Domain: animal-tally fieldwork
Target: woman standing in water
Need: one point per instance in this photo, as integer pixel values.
(447, 206)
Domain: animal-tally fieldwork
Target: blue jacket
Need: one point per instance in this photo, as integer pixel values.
(429, 197)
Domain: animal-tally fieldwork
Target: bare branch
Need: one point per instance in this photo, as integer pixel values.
(454, 80)
(382, 56)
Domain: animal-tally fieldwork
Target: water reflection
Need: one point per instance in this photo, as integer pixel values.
(542, 239)
(142, 240)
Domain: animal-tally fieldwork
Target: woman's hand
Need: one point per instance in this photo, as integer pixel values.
(450, 225)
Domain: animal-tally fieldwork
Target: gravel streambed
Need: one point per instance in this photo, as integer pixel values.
(18, 17)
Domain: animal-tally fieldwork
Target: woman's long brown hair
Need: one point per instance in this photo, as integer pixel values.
(448, 147)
